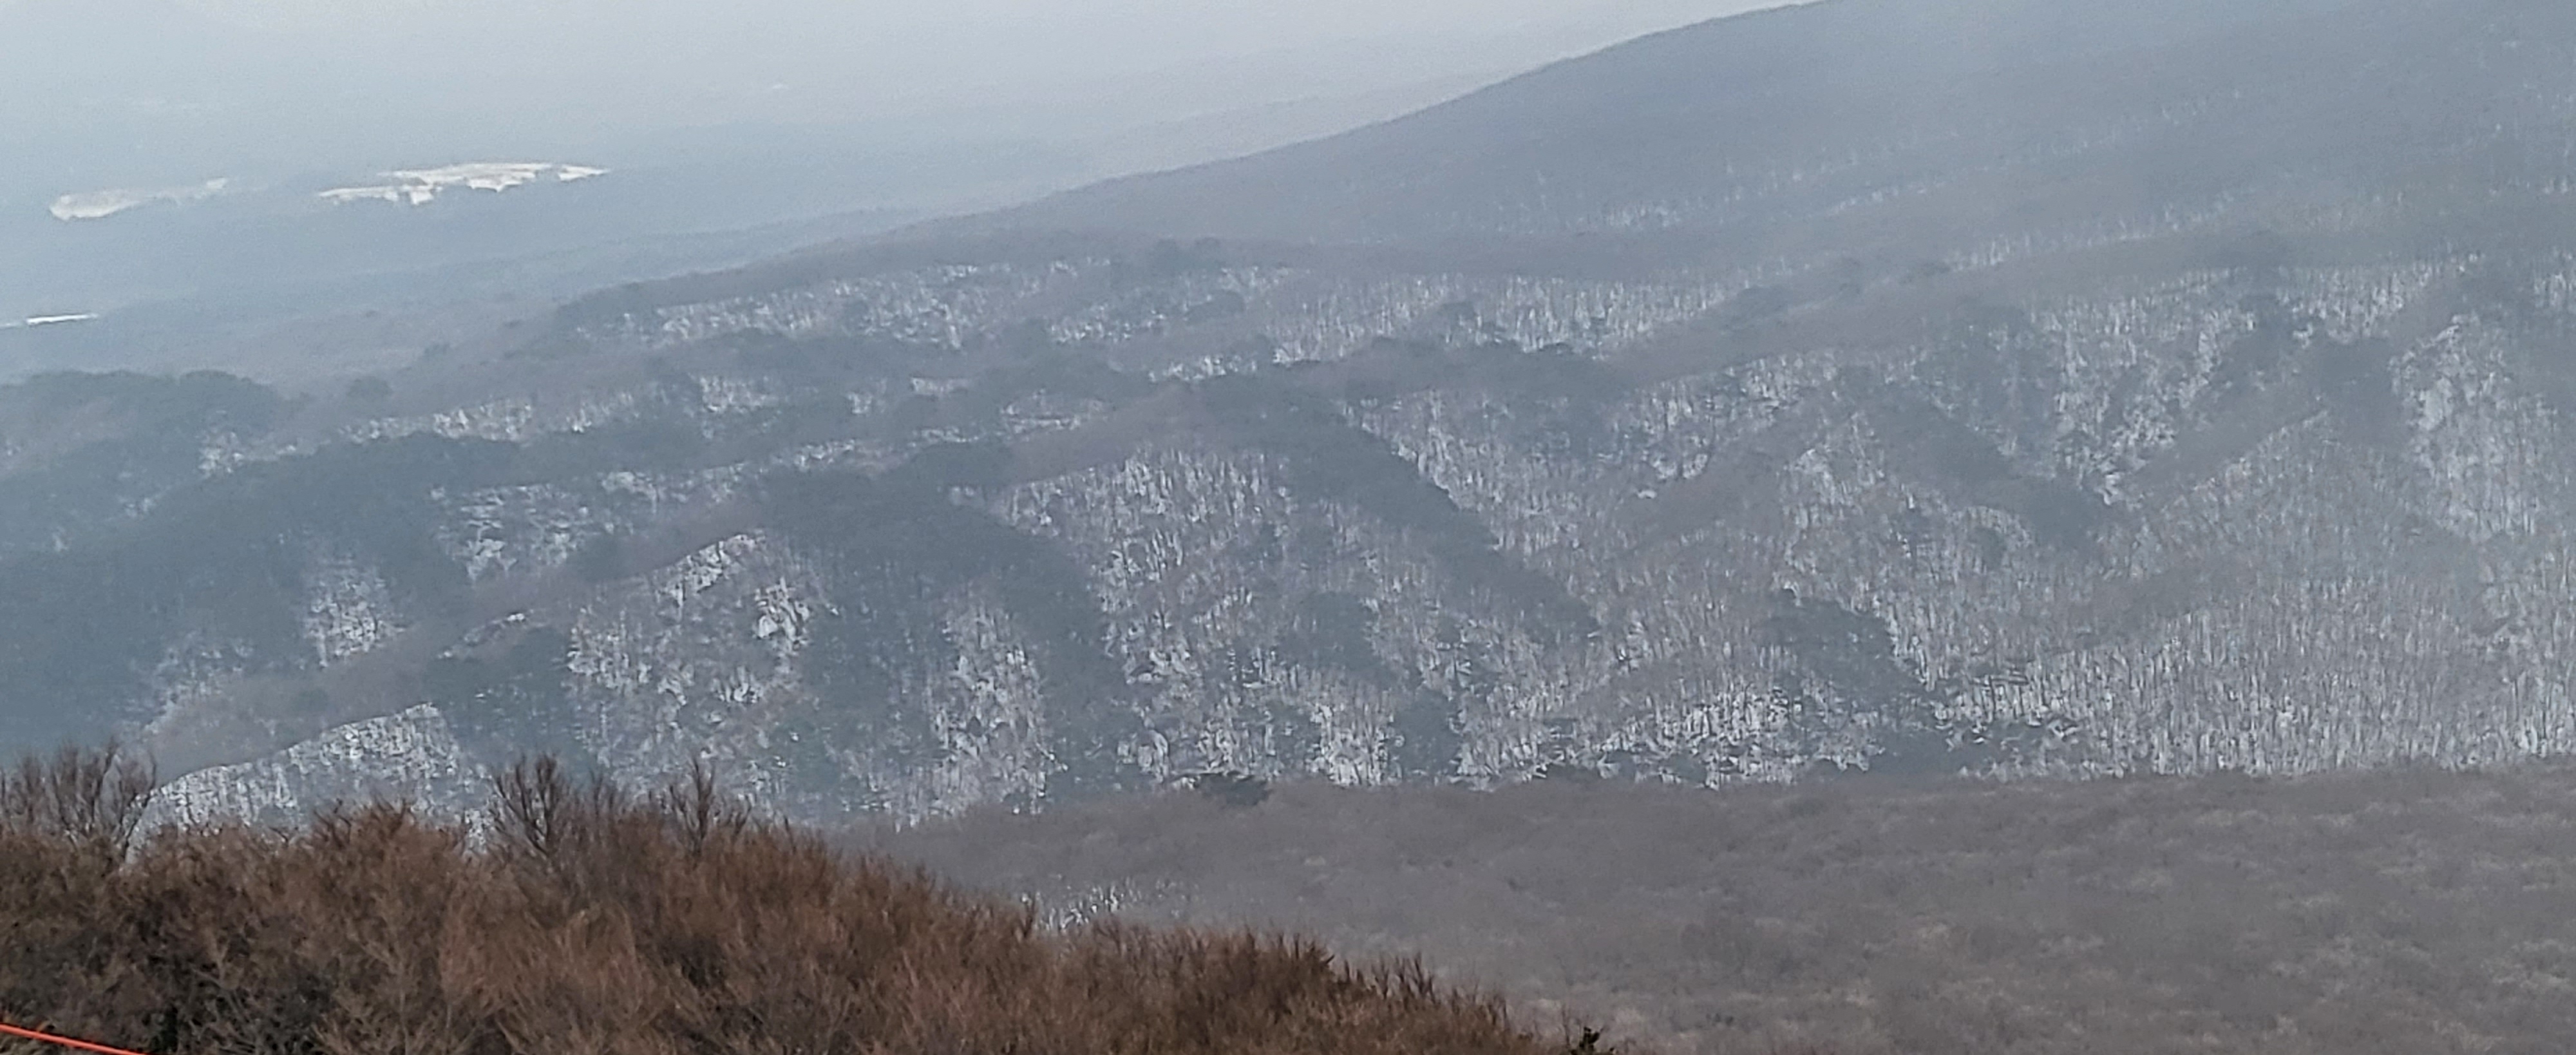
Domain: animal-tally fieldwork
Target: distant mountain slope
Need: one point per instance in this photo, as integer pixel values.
(1822, 124)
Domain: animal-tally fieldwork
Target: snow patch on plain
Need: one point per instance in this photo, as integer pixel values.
(38, 322)
(423, 186)
(101, 204)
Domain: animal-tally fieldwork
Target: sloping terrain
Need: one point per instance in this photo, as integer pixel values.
(1856, 127)
(1871, 388)
(2394, 913)
(580, 918)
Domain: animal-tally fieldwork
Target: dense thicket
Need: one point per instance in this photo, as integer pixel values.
(584, 921)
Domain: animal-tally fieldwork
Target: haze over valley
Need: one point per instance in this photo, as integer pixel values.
(737, 131)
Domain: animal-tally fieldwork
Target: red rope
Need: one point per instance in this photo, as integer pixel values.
(80, 1045)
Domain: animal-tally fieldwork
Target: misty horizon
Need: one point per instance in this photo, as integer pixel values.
(730, 117)
(588, 70)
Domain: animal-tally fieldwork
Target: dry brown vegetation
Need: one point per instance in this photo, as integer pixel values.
(2404, 913)
(584, 921)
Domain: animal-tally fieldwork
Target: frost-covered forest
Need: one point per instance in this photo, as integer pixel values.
(1793, 450)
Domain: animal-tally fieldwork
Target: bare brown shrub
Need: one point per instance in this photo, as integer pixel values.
(588, 921)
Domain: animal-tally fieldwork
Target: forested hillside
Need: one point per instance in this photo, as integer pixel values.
(1953, 387)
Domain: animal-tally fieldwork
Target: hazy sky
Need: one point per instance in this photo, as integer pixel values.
(1200, 26)
(142, 92)
(872, 53)
(717, 60)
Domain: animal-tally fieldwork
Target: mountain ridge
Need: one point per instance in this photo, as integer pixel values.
(1441, 144)
(2069, 422)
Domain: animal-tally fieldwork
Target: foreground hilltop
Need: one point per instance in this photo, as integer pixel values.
(1957, 387)
(584, 920)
